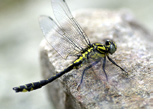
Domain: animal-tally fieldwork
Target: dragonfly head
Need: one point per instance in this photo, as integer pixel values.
(111, 46)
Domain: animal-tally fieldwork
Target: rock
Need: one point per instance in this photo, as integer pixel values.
(121, 91)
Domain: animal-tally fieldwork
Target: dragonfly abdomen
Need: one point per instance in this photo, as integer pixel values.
(36, 85)
(30, 86)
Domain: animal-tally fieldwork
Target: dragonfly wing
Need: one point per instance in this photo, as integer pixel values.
(71, 28)
(57, 38)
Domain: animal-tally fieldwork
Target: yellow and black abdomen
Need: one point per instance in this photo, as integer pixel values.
(30, 86)
(39, 84)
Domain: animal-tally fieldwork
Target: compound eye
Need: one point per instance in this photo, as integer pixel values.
(112, 49)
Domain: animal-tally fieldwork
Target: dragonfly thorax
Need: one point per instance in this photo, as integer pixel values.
(95, 52)
(109, 47)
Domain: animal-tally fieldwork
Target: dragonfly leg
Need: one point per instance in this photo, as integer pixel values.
(104, 62)
(78, 87)
(116, 64)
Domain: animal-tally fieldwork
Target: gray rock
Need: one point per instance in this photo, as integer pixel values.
(121, 91)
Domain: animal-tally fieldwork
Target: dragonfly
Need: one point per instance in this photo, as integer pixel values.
(72, 41)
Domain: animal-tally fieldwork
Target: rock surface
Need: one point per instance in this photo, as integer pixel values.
(121, 91)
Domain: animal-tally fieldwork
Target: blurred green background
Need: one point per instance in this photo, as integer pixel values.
(20, 37)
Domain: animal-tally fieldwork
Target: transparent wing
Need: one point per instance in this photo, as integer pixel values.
(57, 38)
(67, 22)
